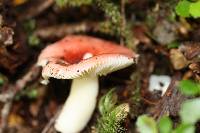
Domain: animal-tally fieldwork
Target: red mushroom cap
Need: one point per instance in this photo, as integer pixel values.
(73, 48)
(65, 57)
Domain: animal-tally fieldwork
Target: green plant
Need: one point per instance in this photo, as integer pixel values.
(114, 25)
(29, 92)
(73, 3)
(112, 115)
(146, 124)
(3, 79)
(33, 40)
(173, 44)
(29, 27)
(187, 8)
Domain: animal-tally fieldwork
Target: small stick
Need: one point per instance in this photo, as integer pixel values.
(9, 95)
(51, 122)
(35, 10)
(123, 22)
(61, 30)
(5, 112)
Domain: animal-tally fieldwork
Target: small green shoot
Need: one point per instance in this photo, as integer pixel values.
(33, 40)
(74, 3)
(173, 45)
(112, 115)
(31, 93)
(3, 79)
(29, 27)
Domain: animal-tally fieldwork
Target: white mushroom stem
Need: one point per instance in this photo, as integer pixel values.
(79, 106)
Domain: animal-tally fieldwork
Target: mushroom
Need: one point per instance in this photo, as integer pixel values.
(81, 58)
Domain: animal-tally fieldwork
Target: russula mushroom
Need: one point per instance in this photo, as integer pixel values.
(81, 58)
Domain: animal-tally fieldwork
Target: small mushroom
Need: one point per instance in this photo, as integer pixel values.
(81, 58)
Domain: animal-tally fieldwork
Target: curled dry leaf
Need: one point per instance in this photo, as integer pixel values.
(178, 60)
(195, 67)
(140, 34)
(15, 120)
(165, 32)
(190, 50)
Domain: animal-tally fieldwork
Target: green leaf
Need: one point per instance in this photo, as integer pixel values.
(165, 125)
(195, 9)
(173, 45)
(146, 124)
(2, 79)
(183, 8)
(29, 25)
(184, 128)
(32, 93)
(190, 111)
(189, 87)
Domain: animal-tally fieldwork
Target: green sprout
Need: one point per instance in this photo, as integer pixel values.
(112, 115)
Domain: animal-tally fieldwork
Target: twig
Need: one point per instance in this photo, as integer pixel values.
(61, 30)
(123, 22)
(5, 112)
(36, 8)
(9, 95)
(5, 97)
(51, 122)
(31, 75)
(190, 50)
(171, 101)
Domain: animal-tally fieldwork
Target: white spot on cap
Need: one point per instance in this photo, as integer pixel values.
(87, 55)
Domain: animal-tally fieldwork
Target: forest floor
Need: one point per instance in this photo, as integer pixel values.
(168, 46)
